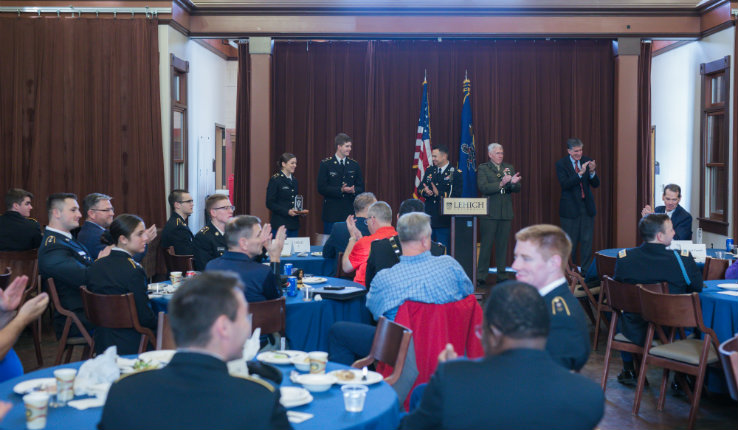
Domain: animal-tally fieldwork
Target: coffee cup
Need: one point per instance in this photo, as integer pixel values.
(318, 360)
(64, 385)
(37, 408)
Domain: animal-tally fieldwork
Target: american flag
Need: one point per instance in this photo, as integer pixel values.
(422, 143)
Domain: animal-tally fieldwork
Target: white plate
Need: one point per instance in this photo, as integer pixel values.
(371, 377)
(278, 357)
(728, 286)
(291, 397)
(316, 254)
(162, 357)
(313, 280)
(30, 385)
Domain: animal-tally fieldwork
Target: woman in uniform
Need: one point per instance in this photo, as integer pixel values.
(119, 273)
(280, 198)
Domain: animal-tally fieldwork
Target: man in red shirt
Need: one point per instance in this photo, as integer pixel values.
(379, 221)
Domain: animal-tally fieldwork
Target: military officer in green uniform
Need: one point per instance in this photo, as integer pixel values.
(209, 242)
(176, 232)
(440, 180)
(280, 198)
(496, 181)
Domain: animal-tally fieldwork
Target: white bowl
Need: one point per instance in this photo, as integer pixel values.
(301, 362)
(316, 383)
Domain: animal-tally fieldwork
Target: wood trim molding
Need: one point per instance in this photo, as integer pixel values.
(217, 47)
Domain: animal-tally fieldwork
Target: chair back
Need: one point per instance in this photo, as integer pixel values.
(605, 265)
(339, 268)
(624, 297)
(51, 288)
(715, 268)
(728, 352)
(5, 278)
(269, 315)
(21, 263)
(319, 239)
(671, 310)
(391, 342)
(164, 335)
(115, 311)
(177, 263)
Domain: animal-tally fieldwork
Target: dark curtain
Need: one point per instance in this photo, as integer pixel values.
(645, 162)
(241, 154)
(80, 111)
(530, 96)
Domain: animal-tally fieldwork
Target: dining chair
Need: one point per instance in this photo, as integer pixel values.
(319, 239)
(605, 265)
(684, 355)
(177, 263)
(728, 351)
(164, 335)
(715, 268)
(623, 298)
(116, 311)
(339, 268)
(390, 346)
(66, 343)
(270, 316)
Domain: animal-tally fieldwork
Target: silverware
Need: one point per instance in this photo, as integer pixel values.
(364, 372)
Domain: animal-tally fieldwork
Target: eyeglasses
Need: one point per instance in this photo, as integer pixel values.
(233, 208)
(186, 201)
(103, 210)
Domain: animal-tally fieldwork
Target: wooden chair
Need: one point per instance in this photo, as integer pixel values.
(5, 278)
(164, 335)
(623, 298)
(715, 268)
(270, 316)
(117, 311)
(589, 298)
(177, 263)
(605, 265)
(729, 357)
(319, 239)
(67, 343)
(390, 346)
(339, 268)
(687, 356)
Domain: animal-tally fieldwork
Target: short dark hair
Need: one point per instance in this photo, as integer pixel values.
(652, 224)
(238, 227)
(342, 139)
(441, 148)
(16, 195)
(175, 196)
(411, 205)
(56, 201)
(517, 310)
(199, 302)
(211, 201)
(122, 225)
(674, 188)
(91, 200)
(573, 142)
(284, 158)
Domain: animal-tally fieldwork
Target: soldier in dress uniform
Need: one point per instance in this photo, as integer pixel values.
(176, 232)
(18, 232)
(441, 180)
(210, 241)
(119, 273)
(339, 181)
(280, 197)
(541, 255)
(64, 258)
(652, 263)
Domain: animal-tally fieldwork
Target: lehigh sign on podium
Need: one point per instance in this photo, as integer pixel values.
(465, 206)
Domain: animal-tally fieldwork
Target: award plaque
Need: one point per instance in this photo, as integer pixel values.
(300, 205)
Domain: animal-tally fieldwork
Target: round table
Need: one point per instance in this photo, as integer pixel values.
(720, 313)
(316, 266)
(381, 410)
(308, 323)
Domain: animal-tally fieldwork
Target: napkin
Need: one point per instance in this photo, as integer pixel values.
(298, 417)
(728, 293)
(250, 349)
(97, 373)
(93, 402)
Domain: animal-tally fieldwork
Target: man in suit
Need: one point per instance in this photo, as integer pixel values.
(339, 181)
(210, 241)
(340, 235)
(64, 258)
(496, 181)
(189, 392)
(577, 175)
(18, 232)
(680, 218)
(515, 369)
(541, 255)
(176, 232)
(246, 238)
(440, 180)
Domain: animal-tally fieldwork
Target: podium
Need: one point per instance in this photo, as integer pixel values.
(465, 229)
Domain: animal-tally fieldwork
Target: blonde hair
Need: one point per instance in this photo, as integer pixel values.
(550, 240)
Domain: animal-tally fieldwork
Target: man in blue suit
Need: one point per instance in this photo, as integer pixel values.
(577, 175)
(680, 218)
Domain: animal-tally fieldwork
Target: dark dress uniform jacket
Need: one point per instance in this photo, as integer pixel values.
(331, 175)
(259, 281)
(90, 234)
(67, 261)
(652, 263)
(194, 391)
(119, 273)
(280, 198)
(449, 184)
(571, 192)
(177, 233)
(518, 389)
(568, 337)
(681, 220)
(385, 253)
(488, 183)
(18, 233)
(338, 240)
(209, 243)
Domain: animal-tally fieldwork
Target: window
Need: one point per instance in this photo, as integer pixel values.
(179, 122)
(714, 152)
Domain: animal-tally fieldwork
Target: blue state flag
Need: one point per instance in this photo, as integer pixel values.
(467, 151)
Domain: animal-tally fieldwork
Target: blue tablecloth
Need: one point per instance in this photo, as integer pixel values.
(316, 266)
(591, 272)
(381, 410)
(308, 323)
(720, 313)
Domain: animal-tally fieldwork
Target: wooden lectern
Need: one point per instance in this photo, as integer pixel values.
(464, 229)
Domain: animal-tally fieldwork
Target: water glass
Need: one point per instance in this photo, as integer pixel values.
(719, 255)
(354, 396)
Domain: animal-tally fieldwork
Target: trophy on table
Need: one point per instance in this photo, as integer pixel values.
(299, 205)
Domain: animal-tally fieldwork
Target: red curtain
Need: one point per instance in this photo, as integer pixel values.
(241, 154)
(645, 162)
(80, 111)
(529, 95)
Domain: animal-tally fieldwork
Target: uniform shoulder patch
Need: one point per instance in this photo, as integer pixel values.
(327, 159)
(559, 306)
(204, 229)
(133, 263)
(50, 240)
(33, 219)
(622, 253)
(137, 372)
(180, 222)
(265, 384)
(685, 253)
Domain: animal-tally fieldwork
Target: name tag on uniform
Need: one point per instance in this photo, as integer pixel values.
(82, 253)
(285, 188)
(333, 173)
